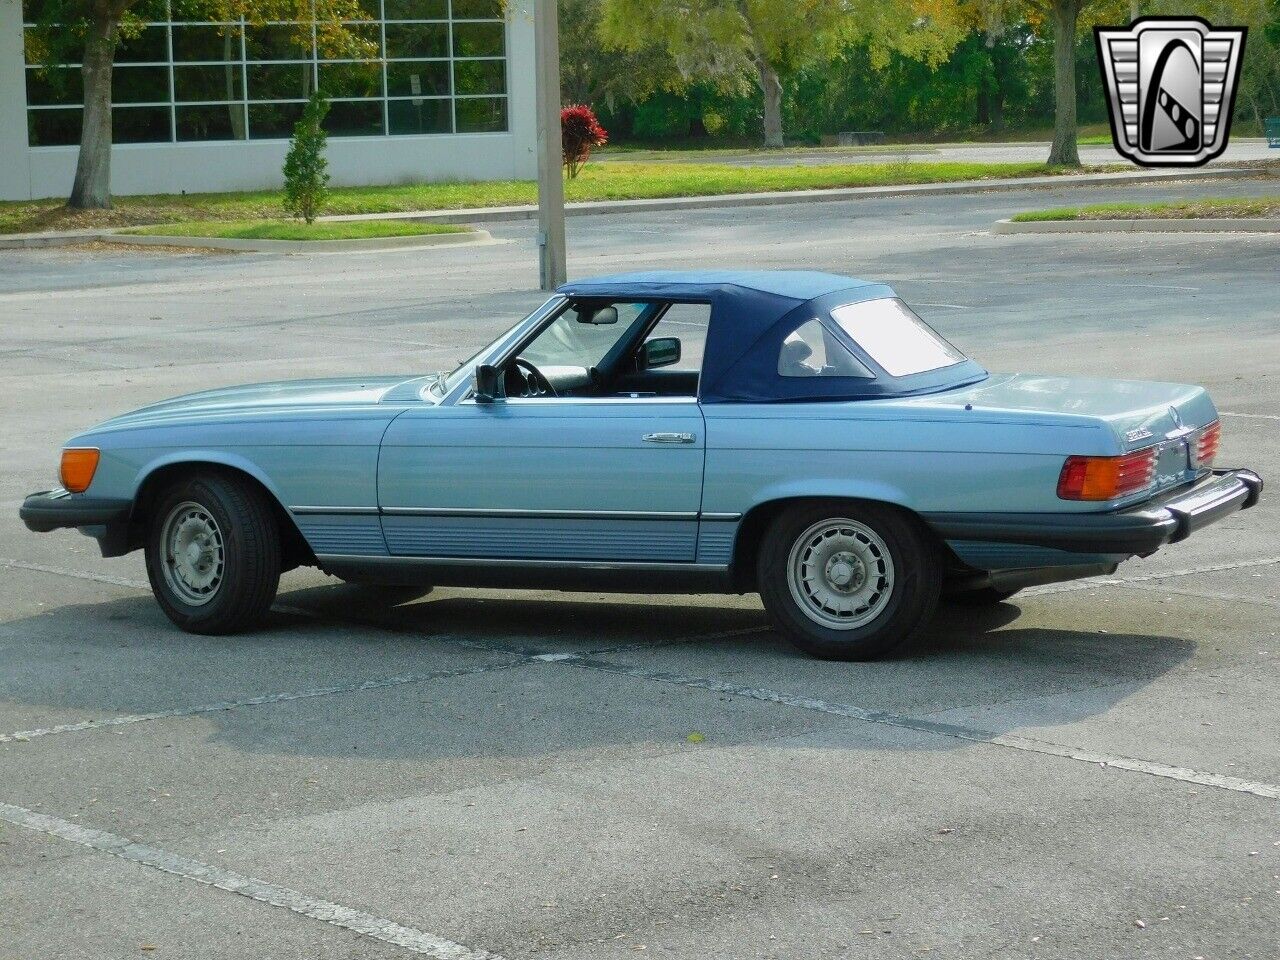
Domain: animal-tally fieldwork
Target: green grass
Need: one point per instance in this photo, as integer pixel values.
(1173, 210)
(296, 229)
(600, 181)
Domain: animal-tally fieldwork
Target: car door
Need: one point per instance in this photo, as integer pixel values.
(568, 479)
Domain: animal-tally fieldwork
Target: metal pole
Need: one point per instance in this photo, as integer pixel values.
(551, 249)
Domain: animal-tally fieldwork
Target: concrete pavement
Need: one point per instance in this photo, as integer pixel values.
(581, 776)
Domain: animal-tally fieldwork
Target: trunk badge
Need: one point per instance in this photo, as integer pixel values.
(1133, 436)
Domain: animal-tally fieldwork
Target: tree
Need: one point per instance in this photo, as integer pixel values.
(96, 27)
(306, 171)
(770, 40)
(580, 133)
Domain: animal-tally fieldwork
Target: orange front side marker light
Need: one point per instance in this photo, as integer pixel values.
(1106, 478)
(78, 467)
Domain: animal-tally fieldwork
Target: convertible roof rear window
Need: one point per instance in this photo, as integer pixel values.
(894, 337)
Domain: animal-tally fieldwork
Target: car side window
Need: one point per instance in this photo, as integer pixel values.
(688, 323)
(811, 350)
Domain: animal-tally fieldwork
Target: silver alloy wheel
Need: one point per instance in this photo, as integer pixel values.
(840, 574)
(193, 557)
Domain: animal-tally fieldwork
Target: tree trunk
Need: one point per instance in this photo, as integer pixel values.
(92, 187)
(1066, 14)
(771, 87)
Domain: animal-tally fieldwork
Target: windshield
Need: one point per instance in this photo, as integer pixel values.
(894, 337)
(450, 379)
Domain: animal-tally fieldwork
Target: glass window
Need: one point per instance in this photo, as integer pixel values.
(149, 46)
(206, 42)
(408, 41)
(140, 125)
(279, 81)
(140, 85)
(273, 121)
(418, 9)
(571, 341)
(222, 122)
(477, 9)
(478, 39)
(354, 118)
(55, 86)
(688, 323)
(420, 116)
(208, 84)
(443, 71)
(278, 42)
(811, 350)
(478, 77)
(53, 128)
(420, 78)
(894, 337)
(483, 115)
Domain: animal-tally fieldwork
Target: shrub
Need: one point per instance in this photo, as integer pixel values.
(580, 132)
(306, 176)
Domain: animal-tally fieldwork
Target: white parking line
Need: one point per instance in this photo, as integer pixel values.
(365, 924)
(1249, 416)
(74, 574)
(972, 734)
(122, 720)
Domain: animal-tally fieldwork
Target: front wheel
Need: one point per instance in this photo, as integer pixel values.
(213, 554)
(846, 580)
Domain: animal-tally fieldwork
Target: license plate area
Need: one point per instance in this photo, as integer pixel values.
(1173, 464)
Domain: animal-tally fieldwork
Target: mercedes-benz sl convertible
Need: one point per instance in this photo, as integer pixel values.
(802, 435)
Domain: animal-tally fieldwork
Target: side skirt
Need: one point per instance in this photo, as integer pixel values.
(533, 574)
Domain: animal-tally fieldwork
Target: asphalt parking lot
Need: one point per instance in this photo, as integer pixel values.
(1084, 772)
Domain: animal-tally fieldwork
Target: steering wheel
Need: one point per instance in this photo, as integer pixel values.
(534, 382)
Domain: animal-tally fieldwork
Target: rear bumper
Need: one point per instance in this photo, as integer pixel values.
(54, 509)
(1135, 530)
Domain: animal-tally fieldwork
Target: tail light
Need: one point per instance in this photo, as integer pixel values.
(78, 467)
(1107, 478)
(1204, 445)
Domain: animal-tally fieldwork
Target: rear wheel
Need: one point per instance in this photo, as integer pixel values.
(213, 554)
(847, 580)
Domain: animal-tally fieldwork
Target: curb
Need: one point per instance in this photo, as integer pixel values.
(27, 241)
(787, 197)
(1149, 225)
(469, 238)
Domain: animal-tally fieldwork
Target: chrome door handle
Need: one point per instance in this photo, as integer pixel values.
(668, 438)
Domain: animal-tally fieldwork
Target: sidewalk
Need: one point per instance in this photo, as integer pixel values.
(23, 241)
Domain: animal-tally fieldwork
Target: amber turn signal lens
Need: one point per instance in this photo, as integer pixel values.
(1106, 478)
(78, 467)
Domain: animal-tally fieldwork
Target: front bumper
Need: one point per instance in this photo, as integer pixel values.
(54, 509)
(1137, 530)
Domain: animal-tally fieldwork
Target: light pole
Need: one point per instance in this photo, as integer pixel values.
(546, 52)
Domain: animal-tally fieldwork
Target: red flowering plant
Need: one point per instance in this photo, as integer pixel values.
(580, 132)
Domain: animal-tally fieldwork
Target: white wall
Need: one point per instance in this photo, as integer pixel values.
(27, 173)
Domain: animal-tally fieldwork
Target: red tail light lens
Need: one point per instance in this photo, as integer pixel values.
(1204, 445)
(1106, 478)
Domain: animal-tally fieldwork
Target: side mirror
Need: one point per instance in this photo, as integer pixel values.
(488, 379)
(662, 352)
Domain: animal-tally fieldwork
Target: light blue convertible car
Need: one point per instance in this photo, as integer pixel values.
(802, 435)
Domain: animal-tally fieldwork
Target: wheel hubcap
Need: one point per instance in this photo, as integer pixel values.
(194, 557)
(840, 574)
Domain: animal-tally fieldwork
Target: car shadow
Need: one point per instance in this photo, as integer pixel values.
(122, 657)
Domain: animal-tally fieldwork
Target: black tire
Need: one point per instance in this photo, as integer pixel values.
(903, 607)
(245, 527)
(981, 597)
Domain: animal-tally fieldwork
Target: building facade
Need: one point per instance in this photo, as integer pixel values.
(442, 90)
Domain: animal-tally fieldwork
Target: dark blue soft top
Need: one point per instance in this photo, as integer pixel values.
(752, 312)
